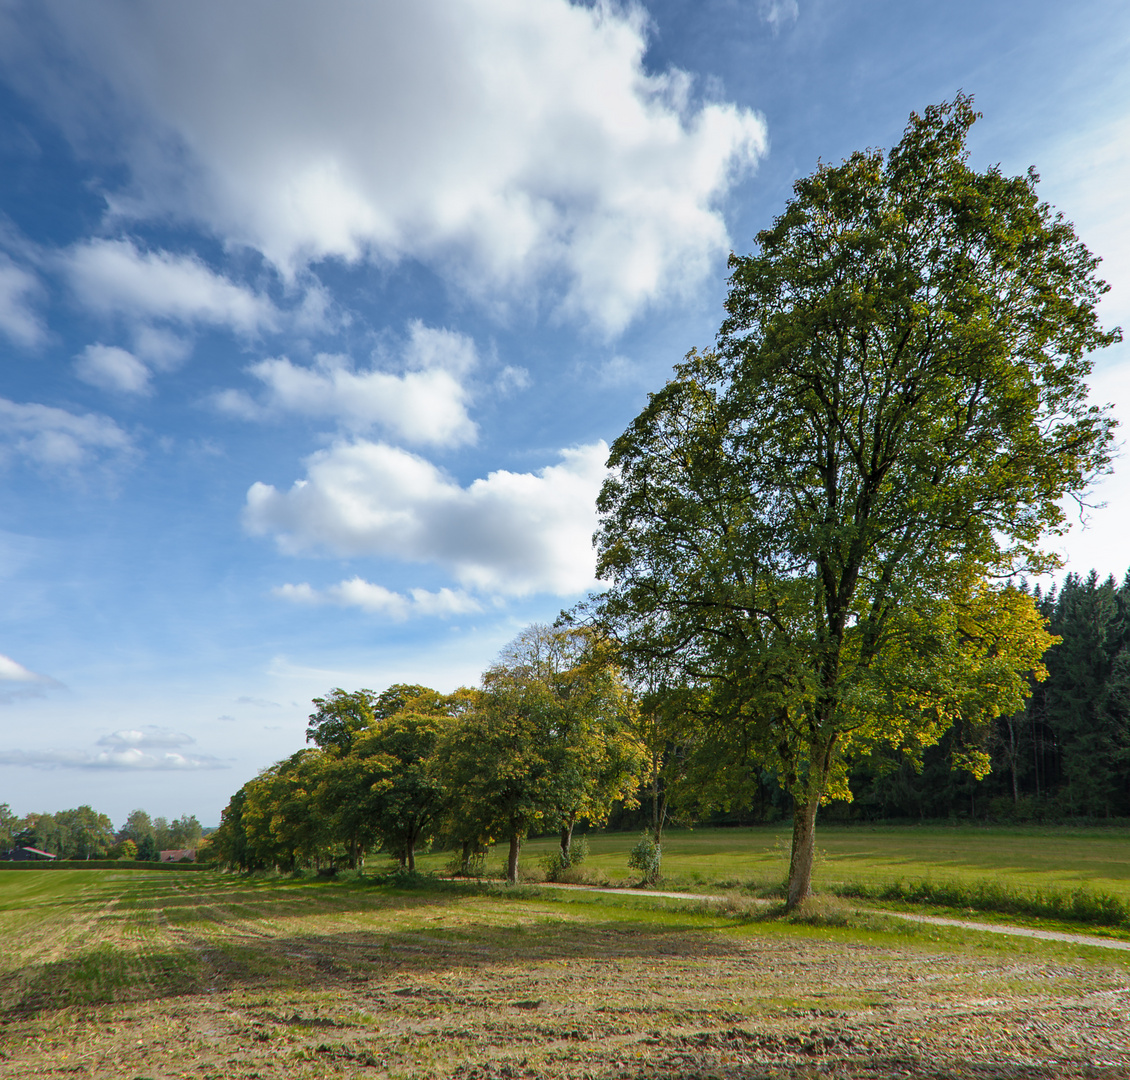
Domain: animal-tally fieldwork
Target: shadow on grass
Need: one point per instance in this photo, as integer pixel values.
(218, 943)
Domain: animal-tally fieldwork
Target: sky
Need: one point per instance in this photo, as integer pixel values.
(316, 322)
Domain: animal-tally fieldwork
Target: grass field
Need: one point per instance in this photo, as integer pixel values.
(136, 974)
(712, 859)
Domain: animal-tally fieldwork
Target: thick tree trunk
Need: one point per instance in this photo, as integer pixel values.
(804, 851)
(466, 871)
(353, 853)
(411, 854)
(512, 859)
(567, 840)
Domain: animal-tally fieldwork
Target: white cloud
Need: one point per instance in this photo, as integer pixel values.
(150, 738)
(503, 142)
(126, 759)
(112, 277)
(377, 600)
(510, 533)
(13, 672)
(56, 438)
(151, 748)
(111, 368)
(426, 404)
(160, 348)
(17, 289)
(18, 682)
(778, 13)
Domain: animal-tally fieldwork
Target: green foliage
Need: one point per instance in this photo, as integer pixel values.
(555, 863)
(646, 857)
(406, 792)
(811, 520)
(339, 718)
(82, 833)
(9, 826)
(137, 827)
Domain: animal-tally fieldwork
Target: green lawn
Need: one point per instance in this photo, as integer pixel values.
(706, 859)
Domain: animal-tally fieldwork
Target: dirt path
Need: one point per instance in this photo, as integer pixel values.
(933, 920)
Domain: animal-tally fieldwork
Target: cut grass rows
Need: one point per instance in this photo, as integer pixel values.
(282, 978)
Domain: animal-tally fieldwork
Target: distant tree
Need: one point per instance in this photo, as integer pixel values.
(9, 826)
(84, 833)
(185, 832)
(147, 850)
(123, 849)
(137, 827)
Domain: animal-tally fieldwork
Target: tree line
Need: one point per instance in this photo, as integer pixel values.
(84, 833)
(548, 739)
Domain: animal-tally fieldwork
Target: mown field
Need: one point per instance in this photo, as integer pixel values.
(138, 974)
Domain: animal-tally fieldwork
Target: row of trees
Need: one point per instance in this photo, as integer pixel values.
(83, 833)
(549, 739)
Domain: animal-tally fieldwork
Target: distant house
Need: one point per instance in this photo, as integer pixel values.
(186, 854)
(22, 854)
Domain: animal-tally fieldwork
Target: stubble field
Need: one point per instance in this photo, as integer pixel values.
(134, 974)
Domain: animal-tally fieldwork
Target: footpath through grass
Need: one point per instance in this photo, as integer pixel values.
(1066, 874)
(129, 974)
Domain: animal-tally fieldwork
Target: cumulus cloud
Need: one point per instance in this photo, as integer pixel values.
(111, 368)
(377, 600)
(501, 143)
(56, 438)
(17, 290)
(114, 277)
(151, 748)
(508, 533)
(424, 404)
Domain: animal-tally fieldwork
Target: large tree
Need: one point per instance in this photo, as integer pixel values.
(819, 520)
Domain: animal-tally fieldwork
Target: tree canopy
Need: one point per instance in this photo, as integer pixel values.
(820, 519)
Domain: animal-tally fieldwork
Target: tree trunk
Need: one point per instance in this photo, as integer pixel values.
(353, 852)
(804, 851)
(567, 840)
(512, 859)
(1012, 761)
(411, 854)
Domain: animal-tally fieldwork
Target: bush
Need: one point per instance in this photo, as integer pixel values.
(556, 865)
(646, 857)
(476, 866)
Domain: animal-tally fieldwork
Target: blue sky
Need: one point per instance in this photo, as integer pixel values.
(316, 321)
